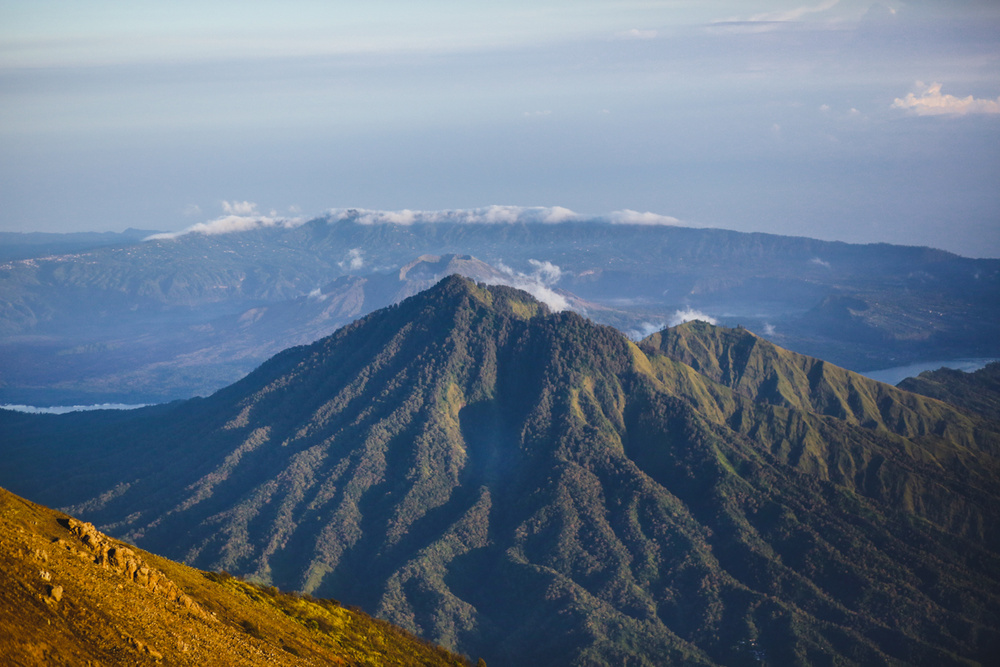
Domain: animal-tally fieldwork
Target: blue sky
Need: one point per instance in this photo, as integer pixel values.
(847, 120)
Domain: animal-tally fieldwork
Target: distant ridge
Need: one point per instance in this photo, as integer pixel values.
(535, 488)
(163, 319)
(757, 369)
(978, 392)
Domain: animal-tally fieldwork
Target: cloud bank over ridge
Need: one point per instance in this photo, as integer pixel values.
(498, 215)
(240, 216)
(243, 216)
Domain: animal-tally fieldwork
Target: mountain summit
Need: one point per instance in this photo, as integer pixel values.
(536, 489)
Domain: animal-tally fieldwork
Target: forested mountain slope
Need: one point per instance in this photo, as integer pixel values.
(977, 392)
(534, 488)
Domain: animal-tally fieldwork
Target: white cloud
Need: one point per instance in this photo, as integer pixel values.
(229, 224)
(769, 329)
(630, 217)
(645, 329)
(355, 260)
(241, 216)
(557, 214)
(930, 102)
(238, 219)
(546, 273)
(689, 314)
(820, 262)
(239, 207)
(485, 215)
(404, 217)
(537, 284)
(317, 294)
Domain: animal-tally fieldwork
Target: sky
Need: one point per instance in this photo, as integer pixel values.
(844, 120)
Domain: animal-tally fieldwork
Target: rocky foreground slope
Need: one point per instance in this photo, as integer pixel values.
(70, 595)
(536, 489)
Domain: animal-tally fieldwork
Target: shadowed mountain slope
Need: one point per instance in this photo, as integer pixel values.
(534, 488)
(977, 392)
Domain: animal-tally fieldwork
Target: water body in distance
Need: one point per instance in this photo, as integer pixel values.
(63, 409)
(897, 374)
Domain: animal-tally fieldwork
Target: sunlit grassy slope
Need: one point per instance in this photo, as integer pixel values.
(69, 597)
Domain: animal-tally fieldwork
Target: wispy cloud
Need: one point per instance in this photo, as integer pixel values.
(239, 207)
(689, 314)
(355, 260)
(929, 101)
(630, 217)
(820, 262)
(497, 215)
(644, 329)
(767, 21)
(796, 13)
(240, 217)
(485, 215)
(538, 283)
(545, 272)
(243, 216)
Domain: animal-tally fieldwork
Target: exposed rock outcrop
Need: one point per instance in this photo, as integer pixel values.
(124, 561)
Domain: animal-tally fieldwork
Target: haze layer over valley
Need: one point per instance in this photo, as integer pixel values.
(182, 314)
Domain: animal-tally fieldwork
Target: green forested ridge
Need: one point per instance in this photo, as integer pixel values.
(535, 489)
(977, 392)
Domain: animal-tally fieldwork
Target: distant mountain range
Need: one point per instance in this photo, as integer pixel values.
(28, 245)
(151, 321)
(535, 488)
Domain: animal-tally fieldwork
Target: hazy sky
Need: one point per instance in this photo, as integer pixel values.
(846, 120)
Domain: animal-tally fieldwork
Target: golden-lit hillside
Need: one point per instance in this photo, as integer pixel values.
(70, 595)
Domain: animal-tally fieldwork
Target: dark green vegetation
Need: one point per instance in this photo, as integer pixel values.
(536, 489)
(978, 392)
(167, 319)
(69, 596)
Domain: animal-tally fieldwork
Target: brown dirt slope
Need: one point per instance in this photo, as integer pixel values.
(70, 595)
